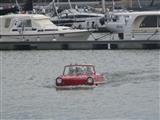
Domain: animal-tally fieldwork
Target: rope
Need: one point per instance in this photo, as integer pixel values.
(96, 39)
(156, 31)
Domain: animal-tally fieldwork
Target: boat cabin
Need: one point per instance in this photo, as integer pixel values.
(25, 23)
(146, 25)
(139, 25)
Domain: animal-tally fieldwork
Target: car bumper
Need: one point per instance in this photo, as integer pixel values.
(75, 87)
(99, 82)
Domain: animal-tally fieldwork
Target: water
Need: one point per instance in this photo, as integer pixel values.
(131, 93)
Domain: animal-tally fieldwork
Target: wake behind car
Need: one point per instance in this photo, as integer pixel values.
(79, 76)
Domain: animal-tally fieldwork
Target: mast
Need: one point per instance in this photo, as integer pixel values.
(113, 5)
(103, 6)
(139, 4)
(70, 4)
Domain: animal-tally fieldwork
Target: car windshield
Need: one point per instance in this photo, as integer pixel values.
(74, 70)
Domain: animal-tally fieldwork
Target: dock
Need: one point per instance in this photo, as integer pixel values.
(80, 45)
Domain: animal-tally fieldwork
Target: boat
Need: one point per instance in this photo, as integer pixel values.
(81, 18)
(36, 27)
(78, 18)
(115, 21)
(135, 25)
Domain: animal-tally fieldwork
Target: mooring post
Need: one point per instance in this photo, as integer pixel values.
(109, 46)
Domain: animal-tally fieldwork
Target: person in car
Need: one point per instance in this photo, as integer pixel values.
(89, 70)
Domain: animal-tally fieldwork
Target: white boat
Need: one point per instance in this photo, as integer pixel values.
(34, 27)
(115, 21)
(141, 25)
(78, 18)
(144, 26)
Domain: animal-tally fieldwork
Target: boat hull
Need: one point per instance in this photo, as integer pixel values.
(72, 36)
(75, 87)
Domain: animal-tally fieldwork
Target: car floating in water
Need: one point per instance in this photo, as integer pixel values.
(79, 76)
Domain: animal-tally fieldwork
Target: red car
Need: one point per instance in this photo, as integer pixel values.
(79, 76)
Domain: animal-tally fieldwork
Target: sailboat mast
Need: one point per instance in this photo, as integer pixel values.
(103, 6)
(70, 4)
(139, 4)
(113, 4)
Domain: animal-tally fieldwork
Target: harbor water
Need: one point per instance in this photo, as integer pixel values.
(131, 92)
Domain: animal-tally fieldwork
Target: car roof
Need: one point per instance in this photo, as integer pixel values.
(79, 65)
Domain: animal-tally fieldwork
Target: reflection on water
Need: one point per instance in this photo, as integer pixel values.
(131, 92)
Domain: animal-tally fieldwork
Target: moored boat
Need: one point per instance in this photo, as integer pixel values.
(35, 27)
(137, 25)
(78, 18)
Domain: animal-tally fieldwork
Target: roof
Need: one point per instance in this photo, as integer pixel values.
(78, 65)
(137, 13)
(32, 16)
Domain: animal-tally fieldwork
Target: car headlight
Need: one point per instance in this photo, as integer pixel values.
(59, 81)
(90, 80)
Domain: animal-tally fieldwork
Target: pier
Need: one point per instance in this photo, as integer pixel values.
(80, 45)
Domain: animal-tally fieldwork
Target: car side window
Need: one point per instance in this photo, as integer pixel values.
(78, 70)
(71, 71)
(89, 70)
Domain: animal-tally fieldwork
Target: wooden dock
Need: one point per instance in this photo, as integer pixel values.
(80, 45)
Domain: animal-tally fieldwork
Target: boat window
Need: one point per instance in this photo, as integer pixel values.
(25, 23)
(69, 16)
(149, 21)
(44, 23)
(84, 16)
(7, 22)
(115, 18)
(72, 16)
(77, 16)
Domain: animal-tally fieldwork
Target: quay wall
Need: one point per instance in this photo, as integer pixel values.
(80, 45)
